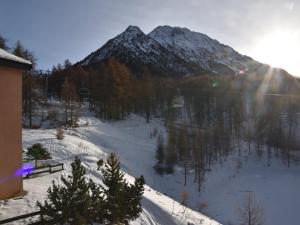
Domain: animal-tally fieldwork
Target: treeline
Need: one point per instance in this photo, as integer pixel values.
(63, 81)
(112, 90)
(223, 115)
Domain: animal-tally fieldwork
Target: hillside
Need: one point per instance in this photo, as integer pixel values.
(91, 143)
(226, 185)
(133, 141)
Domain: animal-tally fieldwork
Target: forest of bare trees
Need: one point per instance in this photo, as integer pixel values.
(221, 117)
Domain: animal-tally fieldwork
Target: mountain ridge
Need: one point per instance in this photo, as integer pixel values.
(137, 50)
(173, 51)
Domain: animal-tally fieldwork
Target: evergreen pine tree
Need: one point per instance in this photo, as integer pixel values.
(19, 49)
(70, 202)
(114, 181)
(134, 192)
(37, 152)
(99, 164)
(3, 44)
(122, 201)
(97, 204)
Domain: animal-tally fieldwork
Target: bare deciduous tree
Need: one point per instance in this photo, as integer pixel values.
(70, 98)
(250, 212)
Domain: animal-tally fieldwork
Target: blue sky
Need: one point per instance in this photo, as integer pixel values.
(59, 29)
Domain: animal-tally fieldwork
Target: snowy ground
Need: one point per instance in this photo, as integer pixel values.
(275, 187)
(91, 143)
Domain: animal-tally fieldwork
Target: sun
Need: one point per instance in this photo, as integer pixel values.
(280, 48)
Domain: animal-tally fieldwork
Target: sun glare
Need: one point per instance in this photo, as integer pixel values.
(280, 49)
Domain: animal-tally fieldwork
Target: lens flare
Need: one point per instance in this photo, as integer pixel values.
(24, 170)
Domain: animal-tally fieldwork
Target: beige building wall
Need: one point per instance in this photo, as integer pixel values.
(10, 132)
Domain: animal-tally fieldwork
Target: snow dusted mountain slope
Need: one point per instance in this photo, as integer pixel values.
(172, 51)
(132, 39)
(201, 49)
(137, 50)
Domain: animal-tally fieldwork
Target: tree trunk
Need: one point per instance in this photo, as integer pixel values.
(185, 173)
(66, 113)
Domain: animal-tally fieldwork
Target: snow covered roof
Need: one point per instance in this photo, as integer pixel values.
(11, 60)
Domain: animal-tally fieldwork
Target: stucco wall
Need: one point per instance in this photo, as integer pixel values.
(10, 131)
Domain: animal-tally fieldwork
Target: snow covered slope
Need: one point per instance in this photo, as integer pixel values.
(201, 49)
(158, 209)
(275, 186)
(226, 185)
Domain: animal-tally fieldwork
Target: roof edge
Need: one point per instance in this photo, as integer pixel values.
(15, 64)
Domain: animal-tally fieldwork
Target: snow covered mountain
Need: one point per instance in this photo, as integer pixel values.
(138, 50)
(172, 51)
(201, 49)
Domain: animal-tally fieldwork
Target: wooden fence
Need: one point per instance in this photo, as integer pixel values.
(45, 169)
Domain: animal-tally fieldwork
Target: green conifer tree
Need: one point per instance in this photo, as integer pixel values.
(114, 180)
(37, 152)
(70, 202)
(100, 163)
(134, 192)
(3, 44)
(122, 200)
(97, 204)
